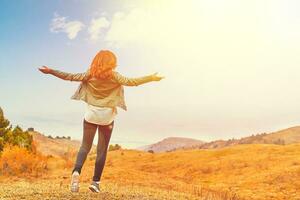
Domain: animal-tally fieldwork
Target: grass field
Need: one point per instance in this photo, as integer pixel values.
(256, 172)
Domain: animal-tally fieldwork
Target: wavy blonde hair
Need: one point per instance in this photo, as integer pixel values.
(103, 64)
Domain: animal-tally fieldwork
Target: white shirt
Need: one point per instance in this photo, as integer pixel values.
(99, 115)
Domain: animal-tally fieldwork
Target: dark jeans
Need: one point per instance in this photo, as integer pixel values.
(104, 134)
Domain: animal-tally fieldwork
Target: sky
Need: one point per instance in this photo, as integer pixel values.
(231, 66)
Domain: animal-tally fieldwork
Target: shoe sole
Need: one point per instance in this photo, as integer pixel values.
(93, 189)
(75, 183)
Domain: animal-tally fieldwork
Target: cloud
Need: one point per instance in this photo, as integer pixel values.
(96, 27)
(133, 26)
(174, 24)
(62, 24)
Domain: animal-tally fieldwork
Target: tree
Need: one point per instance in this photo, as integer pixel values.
(14, 136)
(4, 124)
(5, 128)
(21, 138)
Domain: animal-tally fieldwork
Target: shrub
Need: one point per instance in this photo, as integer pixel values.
(15, 160)
(30, 129)
(1, 143)
(279, 141)
(114, 147)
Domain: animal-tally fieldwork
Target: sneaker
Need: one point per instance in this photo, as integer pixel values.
(75, 182)
(94, 187)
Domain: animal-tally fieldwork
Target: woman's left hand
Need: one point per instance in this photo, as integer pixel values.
(155, 77)
(45, 69)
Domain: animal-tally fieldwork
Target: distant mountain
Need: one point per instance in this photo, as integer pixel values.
(171, 143)
(54, 146)
(58, 147)
(286, 136)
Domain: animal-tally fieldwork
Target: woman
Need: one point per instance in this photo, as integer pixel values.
(101, 88)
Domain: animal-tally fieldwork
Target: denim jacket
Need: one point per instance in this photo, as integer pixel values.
(101, 92)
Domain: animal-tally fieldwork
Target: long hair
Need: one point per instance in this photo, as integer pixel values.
(103, 64)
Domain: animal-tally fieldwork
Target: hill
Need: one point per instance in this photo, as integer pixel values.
(282, 137)
(287, 136)
(171, 143)
(58, 147)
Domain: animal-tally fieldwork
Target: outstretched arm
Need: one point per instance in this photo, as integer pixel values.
(136, 81)
(64, 75)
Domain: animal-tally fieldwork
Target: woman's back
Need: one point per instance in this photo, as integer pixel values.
(102, 88)
(108, 92)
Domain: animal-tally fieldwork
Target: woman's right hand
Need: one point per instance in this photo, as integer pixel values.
(45, 69)
(155, 77)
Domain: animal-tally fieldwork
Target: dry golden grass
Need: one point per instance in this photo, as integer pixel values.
(256, 172)
(60, 191)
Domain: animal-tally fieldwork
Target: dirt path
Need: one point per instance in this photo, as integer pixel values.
(46, 190)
